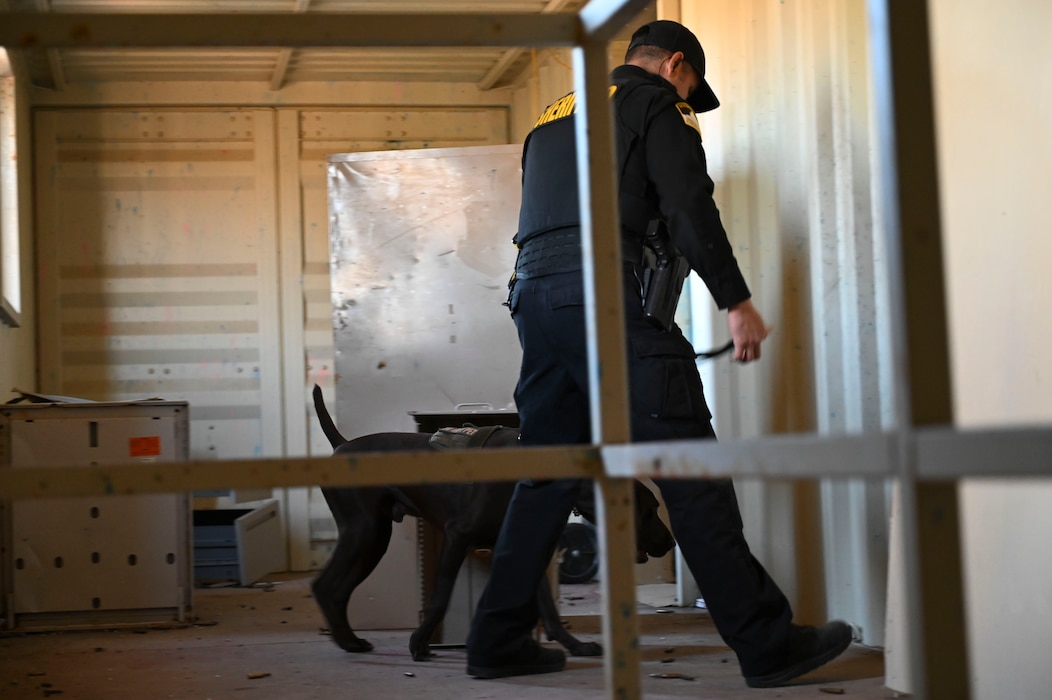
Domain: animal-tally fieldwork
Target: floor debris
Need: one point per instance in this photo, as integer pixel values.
(680, 676)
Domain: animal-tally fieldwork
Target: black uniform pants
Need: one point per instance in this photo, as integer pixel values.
(749, 610)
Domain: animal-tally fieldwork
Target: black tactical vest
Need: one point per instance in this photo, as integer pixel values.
(550, 204)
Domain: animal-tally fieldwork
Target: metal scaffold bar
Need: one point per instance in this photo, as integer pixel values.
(608, 373)
(939, 454)
(781, 457)
(21, 30)
(902, 71)
(375, 469)
(949, 454)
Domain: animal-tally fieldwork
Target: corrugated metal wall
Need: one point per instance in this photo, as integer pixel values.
(791, 152)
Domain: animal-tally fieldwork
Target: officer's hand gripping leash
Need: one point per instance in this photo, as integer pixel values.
(716, 352)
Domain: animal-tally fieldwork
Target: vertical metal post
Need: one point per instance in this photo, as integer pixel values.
(608, 376)
(906, 131)
(601, 243)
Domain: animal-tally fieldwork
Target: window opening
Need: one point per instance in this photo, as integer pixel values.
(10, 257)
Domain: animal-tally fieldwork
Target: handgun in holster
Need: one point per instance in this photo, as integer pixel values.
(664, 270)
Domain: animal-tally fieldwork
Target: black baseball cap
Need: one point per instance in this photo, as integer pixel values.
(673, 36)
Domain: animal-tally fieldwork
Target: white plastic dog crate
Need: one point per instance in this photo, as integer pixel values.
(99, 561)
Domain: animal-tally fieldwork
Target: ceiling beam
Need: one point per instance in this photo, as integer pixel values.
(54, 58)
(509, 57)
(281, 68)
(281, 65)
(58, 72)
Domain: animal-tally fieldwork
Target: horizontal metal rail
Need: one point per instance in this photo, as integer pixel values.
(21, 30)
(372, 469)
(781, 457)
(939, 454)
(1019, 452)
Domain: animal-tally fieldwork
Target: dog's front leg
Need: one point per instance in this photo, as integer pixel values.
(554, 628)
(454, 551)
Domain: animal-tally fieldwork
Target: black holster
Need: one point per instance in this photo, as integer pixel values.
(664, 270)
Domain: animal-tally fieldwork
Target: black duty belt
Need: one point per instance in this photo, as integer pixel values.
(549, 254)
(559, 251)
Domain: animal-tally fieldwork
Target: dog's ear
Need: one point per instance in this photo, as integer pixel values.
(644, 495)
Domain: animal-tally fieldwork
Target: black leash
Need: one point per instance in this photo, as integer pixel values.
(708, 355)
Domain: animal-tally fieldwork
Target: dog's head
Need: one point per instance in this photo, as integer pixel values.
(653, 539)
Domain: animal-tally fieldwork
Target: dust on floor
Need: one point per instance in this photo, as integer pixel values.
(267, 642)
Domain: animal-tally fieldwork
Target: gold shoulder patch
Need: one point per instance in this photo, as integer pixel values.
(691, 119)
(563, 107)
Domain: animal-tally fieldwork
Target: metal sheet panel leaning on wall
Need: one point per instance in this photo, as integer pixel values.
(661, 174)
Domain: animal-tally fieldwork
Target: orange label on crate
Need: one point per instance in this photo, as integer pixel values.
(145, 446)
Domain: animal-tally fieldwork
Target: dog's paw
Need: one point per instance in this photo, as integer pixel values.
(354, 644)
(586, 649)
(420, 650)
(422, 654)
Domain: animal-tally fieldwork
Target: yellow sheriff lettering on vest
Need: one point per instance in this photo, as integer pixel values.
(687, 112)
(563, 107)
(557, 110)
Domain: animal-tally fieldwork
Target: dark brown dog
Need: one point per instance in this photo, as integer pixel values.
(469, 515)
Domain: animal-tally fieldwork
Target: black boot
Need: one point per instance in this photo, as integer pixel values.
(809, 648)
(530, 659)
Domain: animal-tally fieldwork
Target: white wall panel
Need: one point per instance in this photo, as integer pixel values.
(157, 266)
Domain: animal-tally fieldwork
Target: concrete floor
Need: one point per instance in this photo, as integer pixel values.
(266, 642)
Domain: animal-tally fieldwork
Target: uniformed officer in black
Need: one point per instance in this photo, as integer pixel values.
(662, 174)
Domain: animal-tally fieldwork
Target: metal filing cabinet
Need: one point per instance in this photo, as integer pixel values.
(237, 544)
(94, 561)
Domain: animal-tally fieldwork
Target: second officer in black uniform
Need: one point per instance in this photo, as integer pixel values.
(662, 177)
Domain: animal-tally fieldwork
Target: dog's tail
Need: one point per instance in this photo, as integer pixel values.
(327, 426)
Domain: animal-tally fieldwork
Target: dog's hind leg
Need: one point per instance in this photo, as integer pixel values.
(351, 563)
(554, 628)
